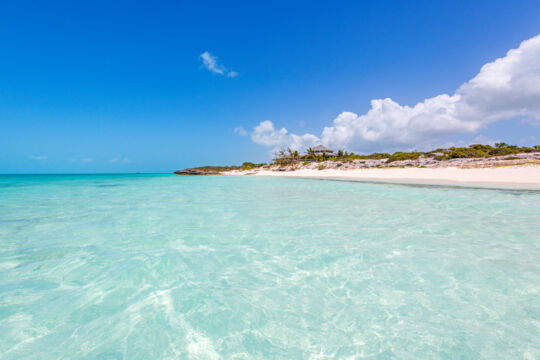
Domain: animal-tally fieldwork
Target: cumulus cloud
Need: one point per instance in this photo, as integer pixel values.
(506, 88)
(266, 134)
(38, 157)
(120, 160)
(239, 130)
(211, 63)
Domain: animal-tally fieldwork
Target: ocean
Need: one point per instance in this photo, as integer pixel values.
(223, 267)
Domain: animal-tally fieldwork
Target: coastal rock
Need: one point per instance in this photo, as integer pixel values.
(196, 172)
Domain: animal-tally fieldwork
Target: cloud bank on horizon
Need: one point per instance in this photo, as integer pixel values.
(211, 63)
(506, 88)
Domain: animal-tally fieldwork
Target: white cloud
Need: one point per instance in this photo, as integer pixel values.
(211, 63)
(266, 134)
(38, 157)
(120, 160)
(239, 130)
(507, 88)
(87, 160)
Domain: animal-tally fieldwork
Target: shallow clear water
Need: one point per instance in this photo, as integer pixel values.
(165, 266)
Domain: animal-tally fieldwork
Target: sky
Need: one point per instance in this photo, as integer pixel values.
(157, 86)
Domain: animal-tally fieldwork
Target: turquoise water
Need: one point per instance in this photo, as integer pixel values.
(176, 267)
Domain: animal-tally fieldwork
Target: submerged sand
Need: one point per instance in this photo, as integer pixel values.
(521, 176)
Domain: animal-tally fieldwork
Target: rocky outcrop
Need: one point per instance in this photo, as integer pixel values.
(196, 172)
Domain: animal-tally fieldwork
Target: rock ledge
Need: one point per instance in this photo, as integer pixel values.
(196, 172)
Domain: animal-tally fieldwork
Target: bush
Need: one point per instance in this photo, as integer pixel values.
(480, 151)
(399, 156)
(374, 156)
(249, 165)
(457, 153)
(321, 167)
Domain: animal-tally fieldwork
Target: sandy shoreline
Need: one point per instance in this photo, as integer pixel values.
(523, 176)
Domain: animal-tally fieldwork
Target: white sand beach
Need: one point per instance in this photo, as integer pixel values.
(521, 176)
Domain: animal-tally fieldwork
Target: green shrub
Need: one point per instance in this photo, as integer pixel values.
(249, 165)
(480, 147)
(374, 156)
(321, 167)
(399, 156)
(457, 153)
(481, 151)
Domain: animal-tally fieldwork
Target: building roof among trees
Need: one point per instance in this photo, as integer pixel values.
(321, 148)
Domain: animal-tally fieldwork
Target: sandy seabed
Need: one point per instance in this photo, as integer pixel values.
(523, 176)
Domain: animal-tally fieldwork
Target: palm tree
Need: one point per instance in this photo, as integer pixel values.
(280, 157)
(293, 155)
(311, 152)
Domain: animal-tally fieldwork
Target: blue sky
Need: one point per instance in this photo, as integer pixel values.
(122, 87)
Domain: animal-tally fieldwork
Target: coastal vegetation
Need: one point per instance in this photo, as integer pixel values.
(245, 166)
(213, 170)
(287, 158)
(478, 150)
